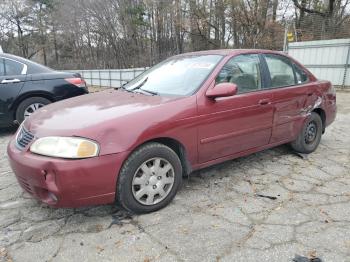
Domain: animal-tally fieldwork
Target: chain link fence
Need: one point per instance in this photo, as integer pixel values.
(313, 27)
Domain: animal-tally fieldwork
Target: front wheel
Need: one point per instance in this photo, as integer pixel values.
(149, 179)
(309, 136)
(29, 106)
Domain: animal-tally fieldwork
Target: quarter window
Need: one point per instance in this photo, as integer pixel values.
(281, 70)
(242, 70)
(12, 67)
(300, 75)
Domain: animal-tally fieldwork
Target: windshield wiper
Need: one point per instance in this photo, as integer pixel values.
(143, 90)
(122, 87)
(147, 91)
(140, 85)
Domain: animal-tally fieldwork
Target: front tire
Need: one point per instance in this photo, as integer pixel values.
(149, 178)
(29, 106)
(309, 136)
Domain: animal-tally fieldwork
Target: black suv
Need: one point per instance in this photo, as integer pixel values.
(26, 86)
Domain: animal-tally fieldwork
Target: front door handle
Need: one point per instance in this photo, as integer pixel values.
(263, 102)
(8, 81)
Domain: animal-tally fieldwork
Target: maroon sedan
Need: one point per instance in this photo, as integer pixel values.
(133, 145)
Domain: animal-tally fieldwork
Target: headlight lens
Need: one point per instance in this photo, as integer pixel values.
(65, 147)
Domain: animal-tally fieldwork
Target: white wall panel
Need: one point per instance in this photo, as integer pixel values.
(326, 59)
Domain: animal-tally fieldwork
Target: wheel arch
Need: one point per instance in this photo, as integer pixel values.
(25, 96)
(322, 114)
(176, 146)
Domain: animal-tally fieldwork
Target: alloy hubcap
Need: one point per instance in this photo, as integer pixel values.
(32, 108)
(153, 181)
(310, 132)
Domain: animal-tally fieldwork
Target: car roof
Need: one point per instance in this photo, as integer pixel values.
(226, 52)
(33, 67)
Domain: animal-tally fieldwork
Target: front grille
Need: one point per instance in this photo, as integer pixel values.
(24, 137)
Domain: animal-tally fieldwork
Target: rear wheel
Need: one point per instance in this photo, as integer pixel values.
(29, 106)
(310, 135)
(149, 179)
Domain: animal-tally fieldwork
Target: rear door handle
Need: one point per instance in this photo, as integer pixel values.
(309, 94)
(7, 81)
(263, 102)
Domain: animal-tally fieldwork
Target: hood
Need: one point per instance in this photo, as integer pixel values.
(77, 116)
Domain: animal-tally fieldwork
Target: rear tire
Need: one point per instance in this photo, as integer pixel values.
(29, 106)
(149, 178)
(309, 136)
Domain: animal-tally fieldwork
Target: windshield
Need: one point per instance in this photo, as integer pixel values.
(176, 76)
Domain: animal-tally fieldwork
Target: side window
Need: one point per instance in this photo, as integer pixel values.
(281, 70)
(12, 67)
(300, 75)
(2, 67)
(242, 70)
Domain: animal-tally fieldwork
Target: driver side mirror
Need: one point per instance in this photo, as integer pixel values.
(222, 90)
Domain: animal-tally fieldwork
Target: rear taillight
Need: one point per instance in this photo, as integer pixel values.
(77, 81)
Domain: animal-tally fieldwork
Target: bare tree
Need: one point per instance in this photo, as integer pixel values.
(82, 34)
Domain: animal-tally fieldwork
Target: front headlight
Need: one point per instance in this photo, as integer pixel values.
(65, 147)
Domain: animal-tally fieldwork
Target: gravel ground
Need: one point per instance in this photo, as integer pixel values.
(216, 216)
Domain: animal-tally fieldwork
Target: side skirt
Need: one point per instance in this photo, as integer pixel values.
(239, 154)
